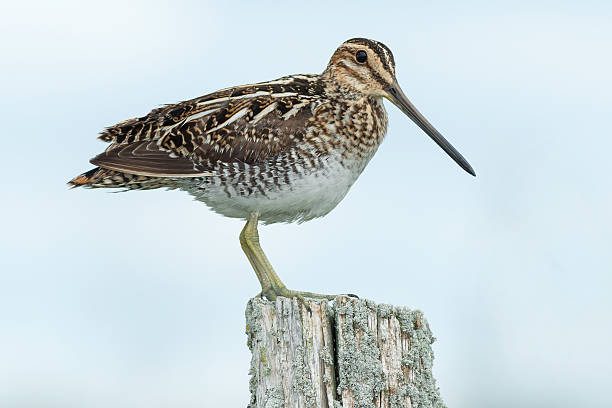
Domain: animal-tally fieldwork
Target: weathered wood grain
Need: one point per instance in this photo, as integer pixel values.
(349, 353)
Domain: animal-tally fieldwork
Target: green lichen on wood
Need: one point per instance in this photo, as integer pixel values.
(263, 359)
(302, 382)
(253, 321)
(385, 311)
(260, 368)
(326, 354)
(355, 356)
(422, 391)
(359, 367)
(274, 398)
(360, 370)
(253, 327)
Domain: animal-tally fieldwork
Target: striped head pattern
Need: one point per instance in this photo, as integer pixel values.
(366, 67)
(363, 65)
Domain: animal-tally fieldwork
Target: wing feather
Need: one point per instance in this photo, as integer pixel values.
(248, 124)
(146, 158)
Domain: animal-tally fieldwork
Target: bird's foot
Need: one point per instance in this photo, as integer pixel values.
(272, 292)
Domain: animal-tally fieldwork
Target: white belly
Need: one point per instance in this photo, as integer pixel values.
(309, 196)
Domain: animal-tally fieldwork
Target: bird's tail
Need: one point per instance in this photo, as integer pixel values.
(85, 179)
(104, 178)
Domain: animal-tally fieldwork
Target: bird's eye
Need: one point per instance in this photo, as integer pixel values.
(361, 56)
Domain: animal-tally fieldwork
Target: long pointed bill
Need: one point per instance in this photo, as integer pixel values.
(401, 101)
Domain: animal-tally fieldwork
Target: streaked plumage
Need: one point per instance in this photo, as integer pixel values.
(286, 150)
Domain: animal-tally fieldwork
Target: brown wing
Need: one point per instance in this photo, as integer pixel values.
(244, 124)
(146, 158)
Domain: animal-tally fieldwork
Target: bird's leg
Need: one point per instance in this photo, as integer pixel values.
(271, 284)
(249, 241)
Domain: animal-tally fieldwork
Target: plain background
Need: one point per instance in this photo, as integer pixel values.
(137, 299)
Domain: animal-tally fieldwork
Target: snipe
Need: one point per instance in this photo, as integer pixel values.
(286, 150)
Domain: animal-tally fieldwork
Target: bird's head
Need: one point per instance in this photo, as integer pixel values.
(367, 67)
(362, 66)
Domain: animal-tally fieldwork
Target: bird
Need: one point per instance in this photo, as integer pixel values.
(282, 151)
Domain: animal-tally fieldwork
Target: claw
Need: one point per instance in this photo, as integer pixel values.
(271, 284)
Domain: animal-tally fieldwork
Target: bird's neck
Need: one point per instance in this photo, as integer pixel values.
(335, 89)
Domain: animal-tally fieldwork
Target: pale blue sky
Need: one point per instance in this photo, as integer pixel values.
(137, 299)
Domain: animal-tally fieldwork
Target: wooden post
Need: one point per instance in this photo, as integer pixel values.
(348, 353)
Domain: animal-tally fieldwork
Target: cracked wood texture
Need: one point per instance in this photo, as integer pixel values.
(348, 353)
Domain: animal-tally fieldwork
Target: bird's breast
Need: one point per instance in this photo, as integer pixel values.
(307, 180)
(356, 131)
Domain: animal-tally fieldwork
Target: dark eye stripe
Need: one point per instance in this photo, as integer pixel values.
(355, 74)
(384, 53)
(352, 71)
